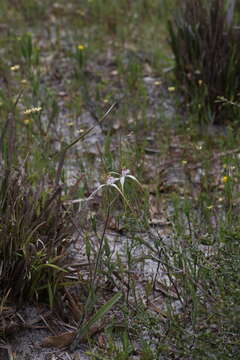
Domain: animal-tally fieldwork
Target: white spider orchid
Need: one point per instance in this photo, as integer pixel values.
(112, 180)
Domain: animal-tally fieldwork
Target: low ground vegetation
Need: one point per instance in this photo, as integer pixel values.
(119, 192)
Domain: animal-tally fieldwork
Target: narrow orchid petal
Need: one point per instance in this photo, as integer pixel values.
(121, 193)
(122, 180)
(95, 191)
(133, 178)
(114, 173)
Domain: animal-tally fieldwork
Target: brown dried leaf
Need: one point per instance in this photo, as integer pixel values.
(65, 339)
(75, 307)
(59, 341)
(102, 341)
(157, 309)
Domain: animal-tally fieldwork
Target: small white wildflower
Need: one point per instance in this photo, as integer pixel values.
(15, 67)
(32, 110)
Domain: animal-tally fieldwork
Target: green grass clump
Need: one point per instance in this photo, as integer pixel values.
(205, 43)
(35, 227)
(35, 236)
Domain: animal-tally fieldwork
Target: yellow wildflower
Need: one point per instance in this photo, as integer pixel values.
(225, 179)
(157, 83)
(81, 47)
(27, 121)
(171, 88)
(210, 207)
(200, 82)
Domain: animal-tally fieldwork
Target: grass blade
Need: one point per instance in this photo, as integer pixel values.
(84, 329)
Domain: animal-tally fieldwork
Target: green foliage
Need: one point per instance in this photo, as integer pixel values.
(171, 251)
(35, 235)
(205, 43)
(85, 327)
(35, 226)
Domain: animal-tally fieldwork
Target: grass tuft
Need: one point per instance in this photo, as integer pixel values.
(205, 42)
